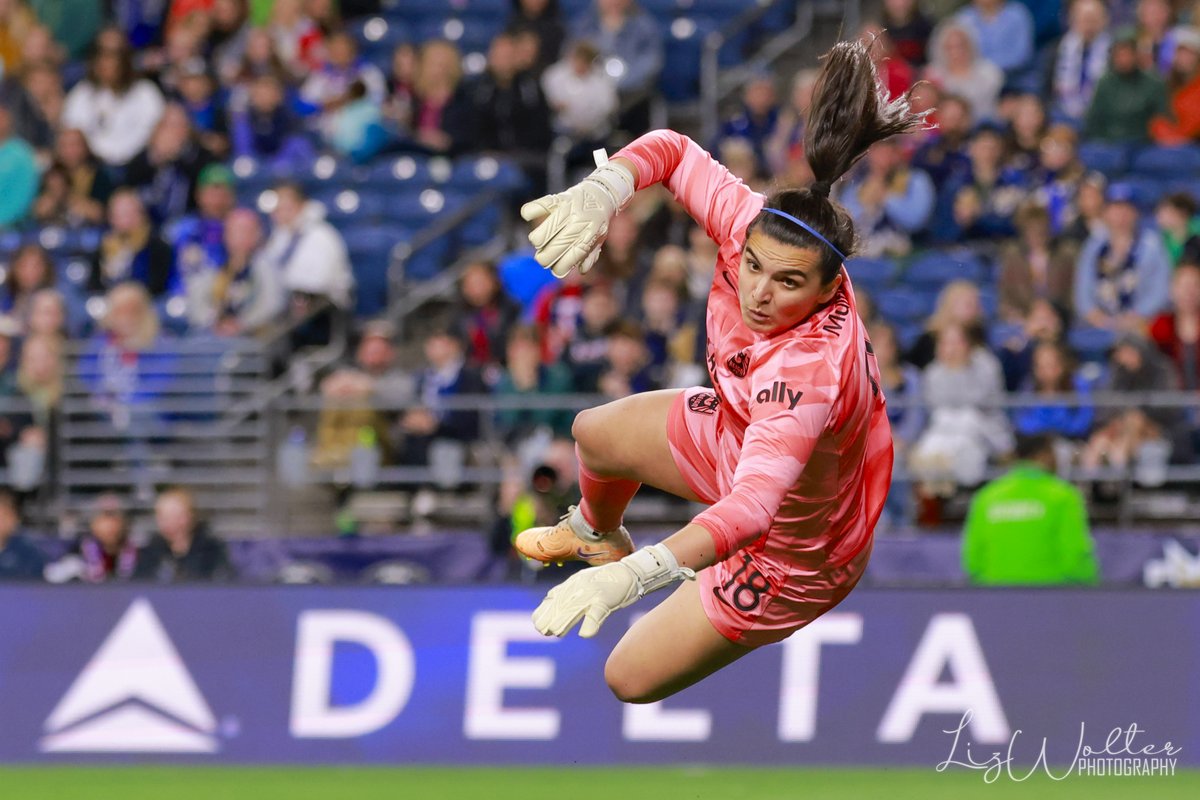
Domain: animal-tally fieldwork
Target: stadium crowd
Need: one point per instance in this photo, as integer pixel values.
(1041, 236)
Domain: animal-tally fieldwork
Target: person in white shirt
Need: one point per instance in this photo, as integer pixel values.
(116, 110)
(582, 94)
(309, 252)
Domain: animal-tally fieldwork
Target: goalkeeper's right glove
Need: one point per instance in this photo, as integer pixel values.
(575, 222)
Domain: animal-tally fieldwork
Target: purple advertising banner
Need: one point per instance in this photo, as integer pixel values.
(459, 676)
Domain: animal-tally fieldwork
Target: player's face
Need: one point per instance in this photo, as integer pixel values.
(780, 285)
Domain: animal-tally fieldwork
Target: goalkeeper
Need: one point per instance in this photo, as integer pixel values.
(790, 449)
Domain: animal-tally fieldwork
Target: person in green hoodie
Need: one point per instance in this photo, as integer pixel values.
(1029, 526)
(1126, 97)
(1176, 218)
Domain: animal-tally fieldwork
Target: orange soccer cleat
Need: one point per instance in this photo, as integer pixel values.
(572, 539)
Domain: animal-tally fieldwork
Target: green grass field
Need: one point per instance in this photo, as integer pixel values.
(685, 783)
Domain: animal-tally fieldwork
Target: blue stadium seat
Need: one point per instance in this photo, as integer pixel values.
(904, 304)
(474, 173)
(1092, 344)
(344, 206)
(680, 80)
(1001, 332)
(470, 34)
(480, 227)
(1111, 159)
(939, 268)
(1146, 189)
(404, 172)
(1167, 162)
(872, 273)
(414, 210)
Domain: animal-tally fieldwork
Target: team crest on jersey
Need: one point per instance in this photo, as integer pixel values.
(738, 363)
(703, 403)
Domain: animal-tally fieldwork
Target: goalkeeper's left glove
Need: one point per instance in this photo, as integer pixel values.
(594, 593)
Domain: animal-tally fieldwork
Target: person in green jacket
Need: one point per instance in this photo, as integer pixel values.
(1029, 526)
(1126, 97)
(19, 175)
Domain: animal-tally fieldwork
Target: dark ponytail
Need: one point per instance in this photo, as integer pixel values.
(850, 112)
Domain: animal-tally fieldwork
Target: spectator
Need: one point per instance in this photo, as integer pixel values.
(296, 37)
(624, 256)
(1086, 219)
(1179, 226)
(401, 87)
(205, 107)
(102, 553)
(123, 370)
(47, 314)
(198, 239)
(957, 67)
(132, 250)
(894, 73)
(1155, 36)
(116, 110)
(1081, 59)
(308, 251)
(1004, 30)
(525, 375)
(586, 350)
(485, 314)
(958, 304)
(1177, 331)
(85, 186)
(544, 19)
(627, 369)
(756, 119)
(338, 86)
(73, 23)
(268, 128)
(29, 121)
(16, 21)
(1054, 373)
(1055, 179)
(362, 394)
(511, 111)
(1126, 98)
(1027, 125)
(889, 201)
(259, 58)
(1122, 433)
(40, 375)
(966, 429)
(443, 116)
(1123, 275)
(1029, 526)
(445, 376)
(981, 204)
(182, 548)
(785, 147)
(1045, 322)
(943, 156)
(630, 41)
(908, 28)
(242, 294)
(670, 335)
(582, 94)
(900, 382)
(1182, 125)
(1034, 266)
(20, 559)
(166, 171)
(29, 272)
(18, 174)
(540, 495)
(227, 36)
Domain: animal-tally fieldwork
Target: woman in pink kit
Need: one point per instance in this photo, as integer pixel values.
(790, 449)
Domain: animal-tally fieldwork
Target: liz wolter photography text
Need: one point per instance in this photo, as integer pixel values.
(1121, 754)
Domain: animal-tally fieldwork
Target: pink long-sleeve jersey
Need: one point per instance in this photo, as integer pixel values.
(804, 449)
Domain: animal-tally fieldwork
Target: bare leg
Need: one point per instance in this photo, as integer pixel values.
(627, 438)
(668, 650)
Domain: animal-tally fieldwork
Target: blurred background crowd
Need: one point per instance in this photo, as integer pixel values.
(330, 186)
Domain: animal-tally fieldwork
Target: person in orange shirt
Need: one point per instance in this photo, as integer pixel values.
(1184, 85)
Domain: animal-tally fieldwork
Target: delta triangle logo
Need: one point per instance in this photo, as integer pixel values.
(134, 696)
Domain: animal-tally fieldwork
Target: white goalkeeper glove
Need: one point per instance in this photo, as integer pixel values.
(575, 222)
(594, 593)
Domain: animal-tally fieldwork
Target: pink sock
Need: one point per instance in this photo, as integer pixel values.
(604, 499)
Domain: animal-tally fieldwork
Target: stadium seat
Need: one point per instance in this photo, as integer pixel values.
(348, 205)
(872, 274)
(680, 79)
(475, 173)
(1167, 162)
(406, 172)
(1111, 159)
(939, 268)
(480, 227)
(1146, 189)
(1092, 344)
(905, 304)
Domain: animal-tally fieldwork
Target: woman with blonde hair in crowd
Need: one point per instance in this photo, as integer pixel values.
(442, 117)
(957, 304)
(957, 67)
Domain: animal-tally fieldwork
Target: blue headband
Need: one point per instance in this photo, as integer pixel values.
(808, 228)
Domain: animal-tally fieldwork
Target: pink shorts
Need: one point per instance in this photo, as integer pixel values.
(753, 597)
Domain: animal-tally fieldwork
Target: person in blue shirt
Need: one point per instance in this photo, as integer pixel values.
(756, 119)
(1004, 30)
(889, 201)
(1054, 373)
(20, 559)
(626, 33)
(981, 203)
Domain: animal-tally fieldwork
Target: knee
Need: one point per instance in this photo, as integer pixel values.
(587, 430)
(626, 684)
